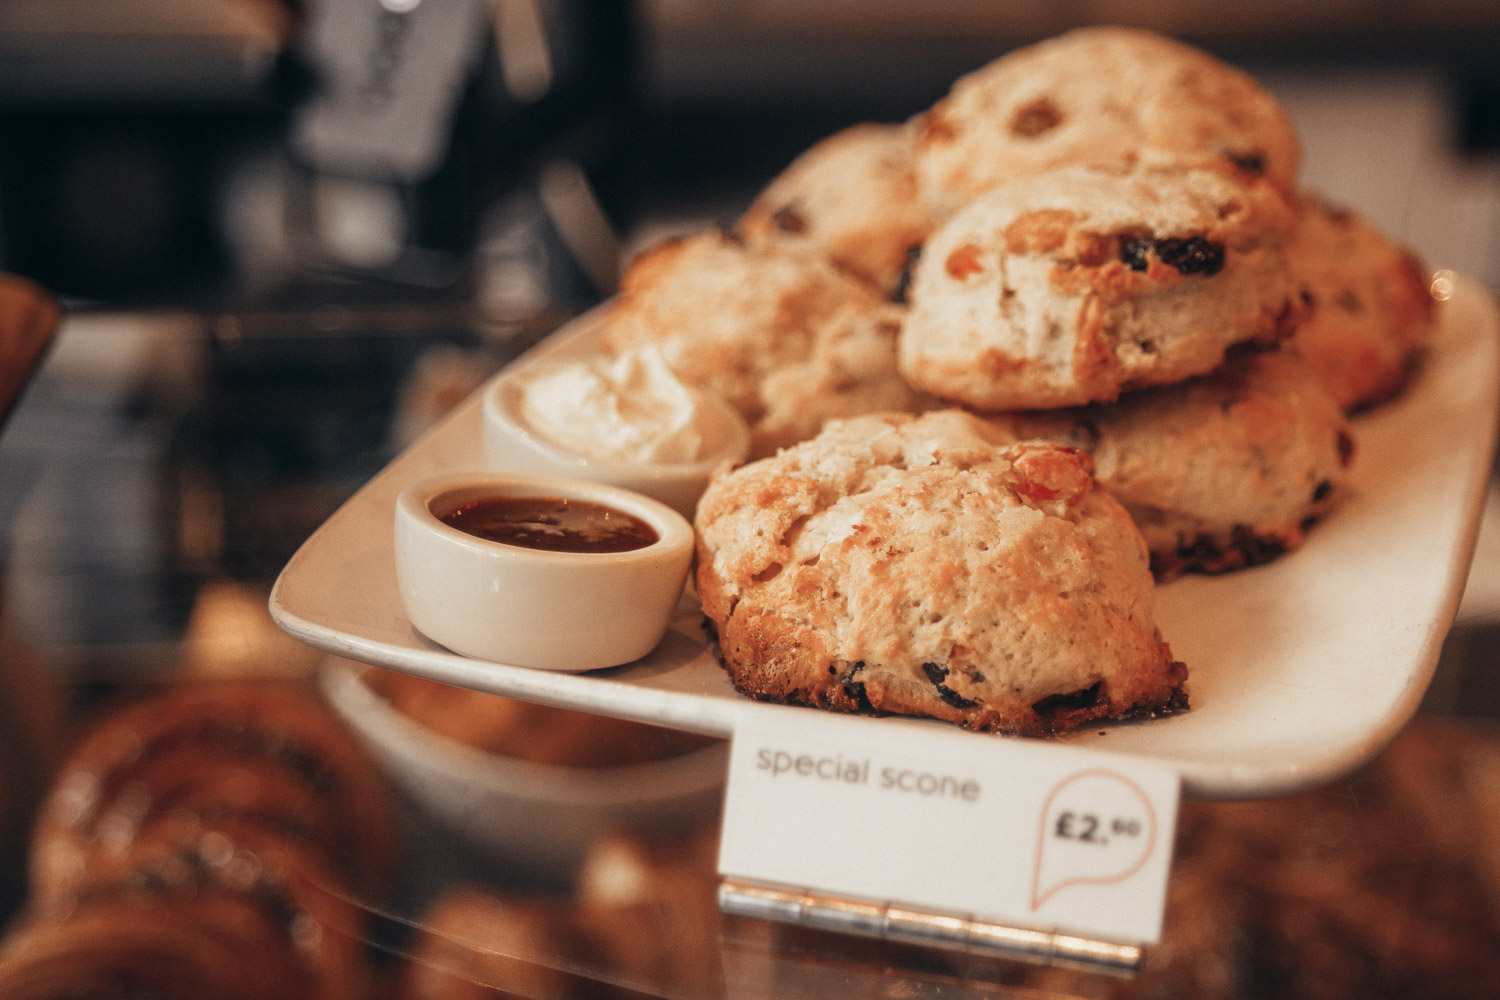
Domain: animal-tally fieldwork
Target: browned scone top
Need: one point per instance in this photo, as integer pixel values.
(1073, 286)
(787, 339)
(921, 566)
(1098, 96)
(1368, 306)
(1227, 470)
(850, 199)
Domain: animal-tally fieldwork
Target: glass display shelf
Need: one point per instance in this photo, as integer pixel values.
(160, 471)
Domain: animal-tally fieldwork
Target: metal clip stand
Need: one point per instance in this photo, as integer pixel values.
(955, 933)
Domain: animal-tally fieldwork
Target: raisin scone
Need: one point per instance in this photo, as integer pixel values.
(788, 340)
(1074, 286)
(1098, 96)
(1220, 472)
(1368, 308)
(918, 565)
(850, 199)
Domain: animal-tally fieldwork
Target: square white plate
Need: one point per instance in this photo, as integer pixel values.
(1299, 670)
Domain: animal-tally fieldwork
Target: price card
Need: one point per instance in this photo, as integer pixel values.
(1026, 833)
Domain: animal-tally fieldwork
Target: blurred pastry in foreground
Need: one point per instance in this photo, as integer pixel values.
(1074, 286)
(1099, 96)
(258, 754)
(850, 199)
(226, 947)
(1368, 308)
(924, 566)
(183, 906)
(650, 907)
(1223, 471)
(204, 841)
(643, 921)
(787, 339)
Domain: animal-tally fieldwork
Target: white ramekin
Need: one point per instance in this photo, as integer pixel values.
(526, 607)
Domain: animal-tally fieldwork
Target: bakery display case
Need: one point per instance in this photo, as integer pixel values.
(234, 766)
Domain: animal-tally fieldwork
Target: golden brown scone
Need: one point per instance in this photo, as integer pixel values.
(180, 797)
(1223, 471)
(1101, 97)
(920, 566)
(788, 340)
(850, 199)
(262, 752)
(523, 731)
(1368, 307)
(180, 860)
(1073, 286)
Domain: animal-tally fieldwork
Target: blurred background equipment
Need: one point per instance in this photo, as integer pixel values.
(225, 152)
(210, 151)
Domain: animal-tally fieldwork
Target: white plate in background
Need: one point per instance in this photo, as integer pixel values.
(542, 816)
(1298, 670)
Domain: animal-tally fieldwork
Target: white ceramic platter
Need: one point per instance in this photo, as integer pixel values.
(1299, 670)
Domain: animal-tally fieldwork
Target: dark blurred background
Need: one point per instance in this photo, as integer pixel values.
(243, 154)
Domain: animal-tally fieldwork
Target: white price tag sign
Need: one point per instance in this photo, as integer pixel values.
(1025, 833)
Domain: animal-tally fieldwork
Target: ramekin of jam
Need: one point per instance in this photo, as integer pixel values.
(539, 571)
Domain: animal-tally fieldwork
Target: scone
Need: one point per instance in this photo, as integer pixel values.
(1369, 311)
(917, 565)
(1224, 471)
(850, 199)
(1098, 96)
(788, 340)
(1074, 286)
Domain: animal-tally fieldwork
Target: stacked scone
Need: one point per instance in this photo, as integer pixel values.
(1072, 330)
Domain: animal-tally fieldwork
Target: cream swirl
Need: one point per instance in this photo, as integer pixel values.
(629, 407)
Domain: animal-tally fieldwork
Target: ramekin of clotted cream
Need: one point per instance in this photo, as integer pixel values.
(624, 419)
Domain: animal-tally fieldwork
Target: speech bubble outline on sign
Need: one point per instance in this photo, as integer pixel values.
(1097, 827)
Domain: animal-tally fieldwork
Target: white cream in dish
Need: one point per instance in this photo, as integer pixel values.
(619, 419)
(626, 407)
